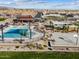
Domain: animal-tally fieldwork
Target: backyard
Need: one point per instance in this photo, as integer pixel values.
(39, 55)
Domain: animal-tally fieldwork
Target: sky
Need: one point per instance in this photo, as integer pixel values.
(41, 4)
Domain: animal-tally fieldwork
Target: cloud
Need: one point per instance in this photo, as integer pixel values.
(41, 4)
(22, 0)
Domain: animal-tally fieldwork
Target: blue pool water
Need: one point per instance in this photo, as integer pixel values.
(17, 33)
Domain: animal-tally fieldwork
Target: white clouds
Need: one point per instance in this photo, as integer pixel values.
(22, 0)
(5, 3)
(40, 4)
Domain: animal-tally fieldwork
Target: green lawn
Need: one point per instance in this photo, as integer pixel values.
(38, 55)
(2, 19)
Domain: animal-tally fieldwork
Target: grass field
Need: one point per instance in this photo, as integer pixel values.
(2, 19)
(38, 55)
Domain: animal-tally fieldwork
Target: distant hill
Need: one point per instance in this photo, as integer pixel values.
(3, 8)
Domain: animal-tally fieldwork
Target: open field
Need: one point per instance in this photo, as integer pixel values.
(38, 55)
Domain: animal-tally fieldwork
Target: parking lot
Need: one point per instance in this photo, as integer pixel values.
(65, 38)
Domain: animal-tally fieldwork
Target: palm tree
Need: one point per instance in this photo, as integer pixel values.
(50, 23)
(77, 24)
(65, 28)
(21, 33)
(65, 18)
(77, 29)
(30, 31)
(1, 27)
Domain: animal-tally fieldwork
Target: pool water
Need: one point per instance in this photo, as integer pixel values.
(18, 33)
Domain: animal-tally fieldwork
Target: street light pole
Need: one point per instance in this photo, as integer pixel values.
(76, 36)
(76, 40)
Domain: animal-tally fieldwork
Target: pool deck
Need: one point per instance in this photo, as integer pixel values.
(37, 35)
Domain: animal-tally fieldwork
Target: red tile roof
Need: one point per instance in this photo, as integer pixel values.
(26, 17)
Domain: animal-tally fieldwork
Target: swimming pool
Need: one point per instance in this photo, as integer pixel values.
(18, 32)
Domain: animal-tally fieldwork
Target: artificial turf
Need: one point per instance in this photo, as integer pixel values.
(39, 55)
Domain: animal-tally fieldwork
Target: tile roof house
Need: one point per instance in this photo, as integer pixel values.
(24, 18)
